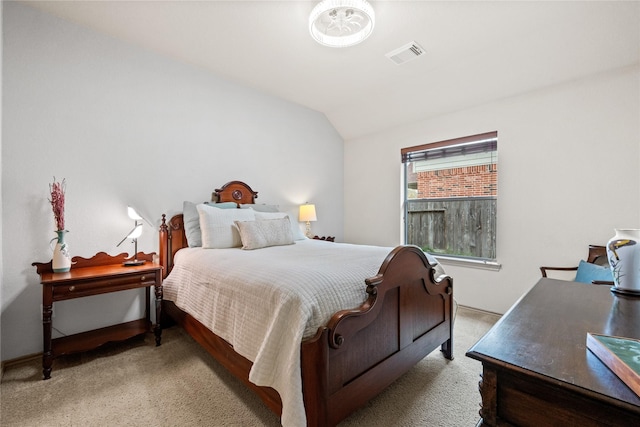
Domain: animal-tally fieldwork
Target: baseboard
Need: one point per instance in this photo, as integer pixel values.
(479, 310)
(18, 361)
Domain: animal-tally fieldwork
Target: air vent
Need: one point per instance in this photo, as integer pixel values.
(405, 53)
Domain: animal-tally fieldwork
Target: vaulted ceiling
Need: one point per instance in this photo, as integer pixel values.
(476, 51)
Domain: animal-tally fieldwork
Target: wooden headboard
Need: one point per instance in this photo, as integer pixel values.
(235, 191)
(172, 234)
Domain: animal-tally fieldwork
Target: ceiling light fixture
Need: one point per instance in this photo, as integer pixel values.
(341, 23)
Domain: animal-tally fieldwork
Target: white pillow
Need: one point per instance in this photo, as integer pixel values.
(295, 229)
(191, 219)
(260, 208)
(265, 233)
(218, 228)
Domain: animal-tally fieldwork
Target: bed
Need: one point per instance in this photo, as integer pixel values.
(404, 311)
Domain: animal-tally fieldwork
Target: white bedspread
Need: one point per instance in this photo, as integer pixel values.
(265, 301)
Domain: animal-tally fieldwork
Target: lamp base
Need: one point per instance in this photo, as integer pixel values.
(133, 262)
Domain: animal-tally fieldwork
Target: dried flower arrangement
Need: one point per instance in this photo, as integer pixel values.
(57, 190)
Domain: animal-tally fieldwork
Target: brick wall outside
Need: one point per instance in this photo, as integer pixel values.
(458, 182)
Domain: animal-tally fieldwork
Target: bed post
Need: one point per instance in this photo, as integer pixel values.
(164, 246)
(314, 355)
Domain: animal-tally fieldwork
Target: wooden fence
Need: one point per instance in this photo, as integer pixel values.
(456, 226)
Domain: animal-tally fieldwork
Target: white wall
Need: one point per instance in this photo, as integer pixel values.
(569, 173)
(1, 239)
(126, 126)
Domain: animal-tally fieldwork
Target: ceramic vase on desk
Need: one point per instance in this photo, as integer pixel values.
(61, 262)
(623, 252)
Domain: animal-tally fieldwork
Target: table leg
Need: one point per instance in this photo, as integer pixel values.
(158, 328)
(47, 353)
(489, 394)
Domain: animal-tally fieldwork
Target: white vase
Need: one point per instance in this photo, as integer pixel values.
(623, 252)
(61, 262)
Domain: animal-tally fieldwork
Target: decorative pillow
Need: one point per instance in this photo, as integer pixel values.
(588, 272)
(260, 208)
(223, 205)
(218, 228)
(265, 233)
(191, 219)
(295, 229)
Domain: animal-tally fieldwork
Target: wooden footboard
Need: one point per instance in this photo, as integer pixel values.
(360, 352)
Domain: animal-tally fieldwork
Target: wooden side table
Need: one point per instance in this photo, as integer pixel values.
(327, 238)
(100, 274)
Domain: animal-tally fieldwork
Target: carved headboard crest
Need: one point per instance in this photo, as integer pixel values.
(235, 191)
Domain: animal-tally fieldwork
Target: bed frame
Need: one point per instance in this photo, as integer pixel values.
(407, 315)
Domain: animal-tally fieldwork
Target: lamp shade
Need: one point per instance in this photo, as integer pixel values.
(341, 23)
(307, 213)
(133, 214)
(136, 232)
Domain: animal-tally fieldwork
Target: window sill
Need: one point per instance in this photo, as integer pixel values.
(472, 263)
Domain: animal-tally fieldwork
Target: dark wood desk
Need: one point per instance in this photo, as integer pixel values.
(537, 370)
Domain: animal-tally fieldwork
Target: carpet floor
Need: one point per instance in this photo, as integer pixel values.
(134, 383)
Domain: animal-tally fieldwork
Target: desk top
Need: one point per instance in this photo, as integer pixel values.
(545, 333)
(101, 264)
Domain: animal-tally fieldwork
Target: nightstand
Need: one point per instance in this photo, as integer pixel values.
(100, 274)
(327, 238)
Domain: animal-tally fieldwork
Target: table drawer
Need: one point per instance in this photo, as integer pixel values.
(63, 291)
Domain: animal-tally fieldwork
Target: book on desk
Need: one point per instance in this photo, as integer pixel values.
(621, 355)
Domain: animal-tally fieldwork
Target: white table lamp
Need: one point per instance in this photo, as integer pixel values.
(307, 214)
(133, 235)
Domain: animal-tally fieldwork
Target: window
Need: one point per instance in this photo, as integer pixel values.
(450, 196)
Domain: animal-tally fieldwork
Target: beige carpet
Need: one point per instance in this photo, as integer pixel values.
(135, 383)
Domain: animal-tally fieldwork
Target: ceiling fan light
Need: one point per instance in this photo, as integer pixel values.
(341, 23)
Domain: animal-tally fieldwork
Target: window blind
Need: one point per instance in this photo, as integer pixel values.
(481, 143)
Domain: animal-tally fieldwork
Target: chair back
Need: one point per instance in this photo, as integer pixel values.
(597, 255)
